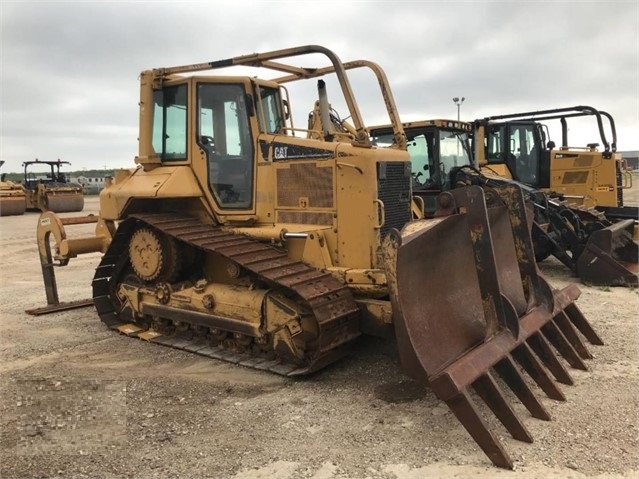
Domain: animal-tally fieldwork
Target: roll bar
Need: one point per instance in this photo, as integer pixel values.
(266, 60)
(561, 114)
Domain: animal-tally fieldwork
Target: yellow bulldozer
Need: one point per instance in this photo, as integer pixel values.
(12, 198)
(50, 190)
(585, 222)
(519, 145)
(242, 237)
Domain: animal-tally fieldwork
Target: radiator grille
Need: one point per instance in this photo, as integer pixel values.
(305, 217)
(393, 188)
(305, 180)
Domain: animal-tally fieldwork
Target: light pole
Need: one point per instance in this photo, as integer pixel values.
(458, 101)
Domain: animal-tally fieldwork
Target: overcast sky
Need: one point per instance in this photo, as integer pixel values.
(69, 79)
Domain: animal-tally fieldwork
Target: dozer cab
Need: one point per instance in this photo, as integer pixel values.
(438, 148)
(244, 238)
(583, 219)
(50, 190)
(12, 198)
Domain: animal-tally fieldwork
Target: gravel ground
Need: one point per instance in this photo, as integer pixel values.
(78, 400)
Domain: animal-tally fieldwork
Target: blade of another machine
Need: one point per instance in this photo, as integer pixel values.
(610, 256)
(469, 306)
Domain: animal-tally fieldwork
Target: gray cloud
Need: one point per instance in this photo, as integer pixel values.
(69, 70)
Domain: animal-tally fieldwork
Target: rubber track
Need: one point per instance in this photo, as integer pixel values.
(331, 302)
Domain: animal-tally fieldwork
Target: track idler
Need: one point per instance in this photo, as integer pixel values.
(469, 305)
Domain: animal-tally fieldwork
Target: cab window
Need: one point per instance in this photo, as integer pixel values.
(169, 123)
(421, 154)
(523, 153)
(494, 152)
(434, 154)
(224, 134)
(515, 145)
(453, 152)
(270, 117)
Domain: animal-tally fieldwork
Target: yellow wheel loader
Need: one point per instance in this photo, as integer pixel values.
(244, 238)
(50, 190)
(12, 197)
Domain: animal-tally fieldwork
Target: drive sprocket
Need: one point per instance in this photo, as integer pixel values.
(153, 255)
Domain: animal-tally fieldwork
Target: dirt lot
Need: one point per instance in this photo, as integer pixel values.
(78, 400)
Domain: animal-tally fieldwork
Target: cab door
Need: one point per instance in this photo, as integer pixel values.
(224, 133)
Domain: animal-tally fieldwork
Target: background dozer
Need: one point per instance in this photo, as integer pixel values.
(12, 197)
(593, 176)
(50, 190)
(598, 250)
(438, 148)
(582, 215)
(244, 238)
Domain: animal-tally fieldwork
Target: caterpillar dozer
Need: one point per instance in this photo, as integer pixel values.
(12, 198)
(584, 176)
(584, 221)
(50, 190)
(244, 238)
